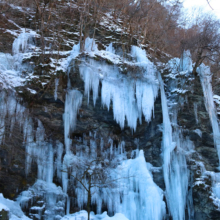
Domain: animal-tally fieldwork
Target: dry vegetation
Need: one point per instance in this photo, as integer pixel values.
(152, 22)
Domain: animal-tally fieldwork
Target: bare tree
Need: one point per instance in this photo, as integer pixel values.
(92, 169)
(203, 40)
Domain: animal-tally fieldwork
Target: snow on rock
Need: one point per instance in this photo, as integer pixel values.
(15, 212)
(11, 67)
(52, 199)
(3, 207)
(9, 75)
(199, 132)
(216, 189)
(32, 91)
(216, 99)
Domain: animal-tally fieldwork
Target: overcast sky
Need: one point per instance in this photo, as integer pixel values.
(215, 4)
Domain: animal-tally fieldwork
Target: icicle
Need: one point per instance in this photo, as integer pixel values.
(56, 86)
(3, 112)
(90, 45)
(59, 159)
(68, 206)
(195, 112)
(22, 43)
(110, 48)
(91, 82)
(40, 151)
(72, 104)
(186, 62)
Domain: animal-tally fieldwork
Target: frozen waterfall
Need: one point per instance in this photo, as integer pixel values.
(176, 174)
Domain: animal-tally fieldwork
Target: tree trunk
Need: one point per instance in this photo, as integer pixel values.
(198, 61)
(88, 202)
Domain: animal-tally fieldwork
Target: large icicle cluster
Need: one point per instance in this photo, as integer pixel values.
(39, 151)
(11, 112)
(130, 97)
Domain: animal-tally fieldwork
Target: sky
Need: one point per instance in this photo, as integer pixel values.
(215, 4)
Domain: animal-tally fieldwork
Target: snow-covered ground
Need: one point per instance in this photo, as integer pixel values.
(83, 215)
(13, 208)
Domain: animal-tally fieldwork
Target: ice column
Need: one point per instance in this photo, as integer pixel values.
(206, 78)
(174, 167)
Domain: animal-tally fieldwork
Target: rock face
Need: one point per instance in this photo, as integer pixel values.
(192, 119)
